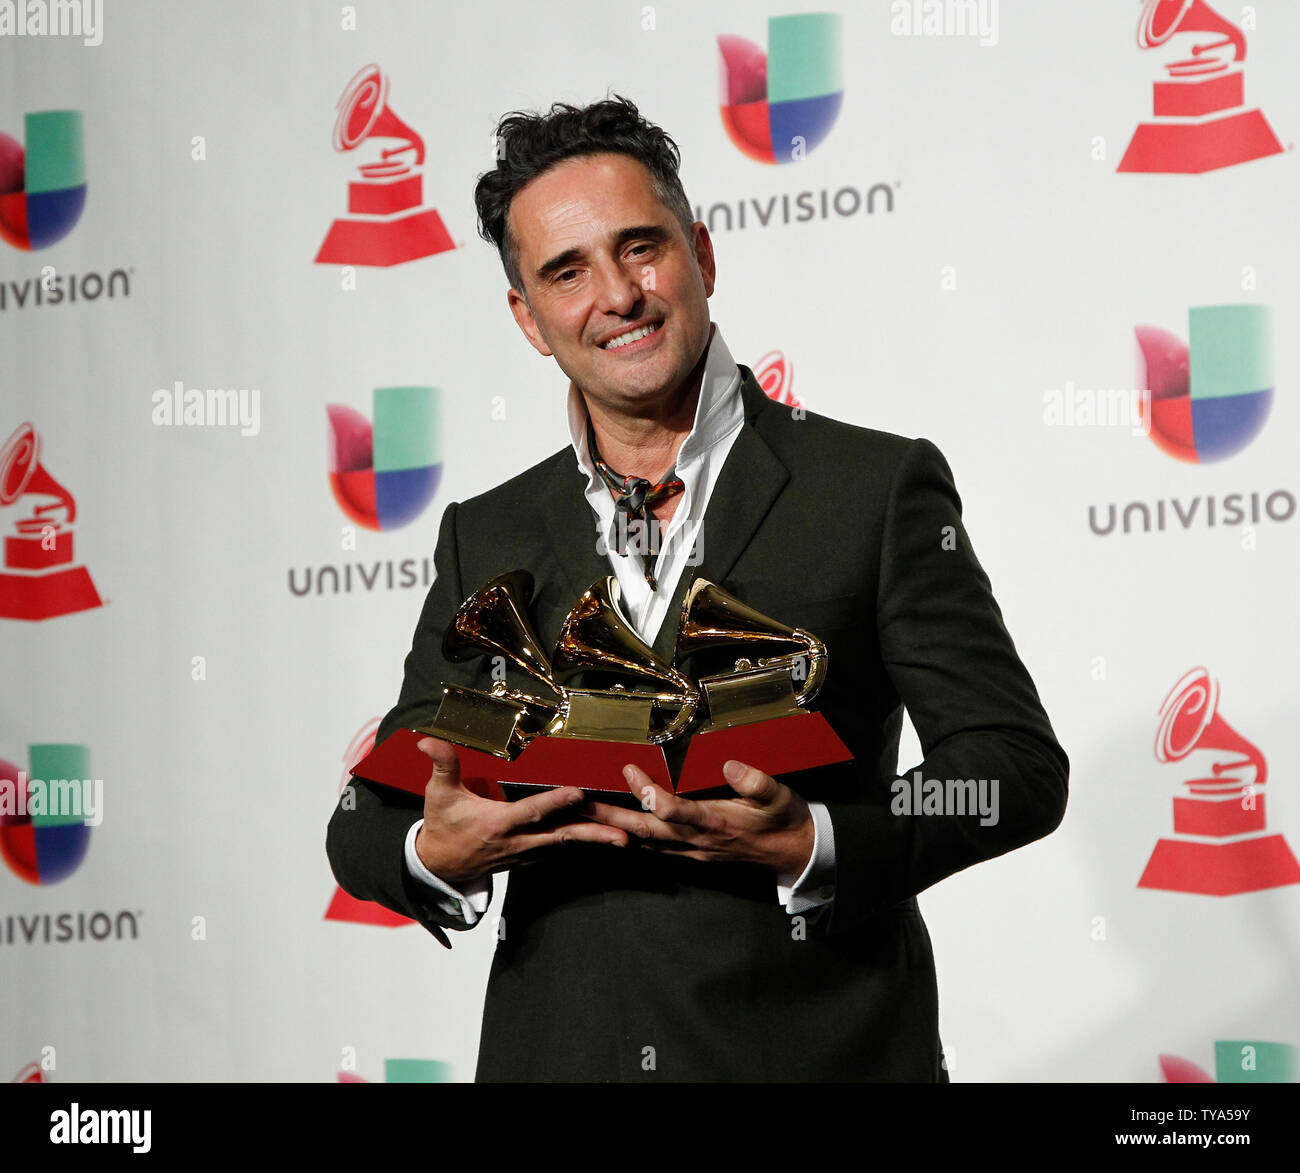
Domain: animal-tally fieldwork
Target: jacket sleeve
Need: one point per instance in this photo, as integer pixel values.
(975, 709)
(367, 832)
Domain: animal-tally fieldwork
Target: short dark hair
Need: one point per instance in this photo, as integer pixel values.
(529, 144)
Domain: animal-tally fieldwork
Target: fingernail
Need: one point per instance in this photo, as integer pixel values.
(629, 773)
(733, 771)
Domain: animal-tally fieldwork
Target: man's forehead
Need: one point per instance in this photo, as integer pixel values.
(564, 204)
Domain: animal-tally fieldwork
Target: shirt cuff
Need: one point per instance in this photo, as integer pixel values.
(469, 903)
(817, 884)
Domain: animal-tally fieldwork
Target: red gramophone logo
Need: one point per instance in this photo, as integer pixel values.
(38, 579)
(1200, 121)
(775, 374)
(386, 224)
(349, 908)
(1222, 847)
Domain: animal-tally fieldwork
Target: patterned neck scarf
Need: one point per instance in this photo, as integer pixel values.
(634, 498)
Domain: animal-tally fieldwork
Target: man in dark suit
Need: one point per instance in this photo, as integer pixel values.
(774, 934)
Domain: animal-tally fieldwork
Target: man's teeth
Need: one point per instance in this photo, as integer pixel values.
(630, 336)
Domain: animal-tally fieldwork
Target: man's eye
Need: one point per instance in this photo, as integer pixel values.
(566, 274)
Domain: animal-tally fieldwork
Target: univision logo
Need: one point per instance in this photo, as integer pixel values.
(1209, 396)
(43, 846)
(384, 475)
(777, 106)
(42, 188)
(402, 1071)
(1238, 1061)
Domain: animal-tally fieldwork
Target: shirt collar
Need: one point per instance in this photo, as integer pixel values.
(718, 411)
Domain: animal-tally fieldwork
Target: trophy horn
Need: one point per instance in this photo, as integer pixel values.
(494, 621)
(712, 617)
(596, 636)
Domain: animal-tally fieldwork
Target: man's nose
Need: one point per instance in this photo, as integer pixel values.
(618, 289)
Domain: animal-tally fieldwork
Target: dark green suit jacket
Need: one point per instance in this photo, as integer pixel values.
(625, 964)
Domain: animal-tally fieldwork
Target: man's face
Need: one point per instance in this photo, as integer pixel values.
(599, 256)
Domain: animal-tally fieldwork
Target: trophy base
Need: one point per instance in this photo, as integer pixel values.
(782, 745)
(595, 766)
(398, 763)
(1192, 148)
(547, 762)
(1221, 869)
(778, 746)
(44, 596)
(384, 243)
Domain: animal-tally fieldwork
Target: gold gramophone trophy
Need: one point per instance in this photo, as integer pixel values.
(494, 621)
(518, 741)
(758, 712)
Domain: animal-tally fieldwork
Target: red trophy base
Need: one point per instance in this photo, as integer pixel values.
(546, 762)
(384, 243)
(1221, 869)
(43, 596)
(779, 746)
(1192, 148)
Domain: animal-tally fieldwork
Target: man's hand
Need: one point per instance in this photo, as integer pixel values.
(768, 824)
(465, 836)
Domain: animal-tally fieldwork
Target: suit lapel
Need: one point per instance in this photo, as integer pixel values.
(751, 478)
(572, 526)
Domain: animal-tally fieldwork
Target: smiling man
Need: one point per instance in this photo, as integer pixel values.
(773, 934)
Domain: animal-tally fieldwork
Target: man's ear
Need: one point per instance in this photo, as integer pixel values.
(703, 246)
(526, 322)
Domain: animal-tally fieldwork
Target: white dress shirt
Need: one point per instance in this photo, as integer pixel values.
(719, 416)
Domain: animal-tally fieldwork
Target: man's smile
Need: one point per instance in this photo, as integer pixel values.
(633, 338)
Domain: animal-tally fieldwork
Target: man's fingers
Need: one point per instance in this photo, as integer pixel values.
(658, 801)
(536, 807)
(749, 782)
(570, 833)
(445, 762)
(643, 824)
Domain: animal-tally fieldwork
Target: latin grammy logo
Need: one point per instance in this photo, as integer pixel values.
(38, 579)
(775, 374)
(343, 907)
(386, 224)
(1200, 124)
(1222, 848)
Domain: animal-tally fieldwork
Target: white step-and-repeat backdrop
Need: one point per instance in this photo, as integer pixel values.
(1058, 239)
